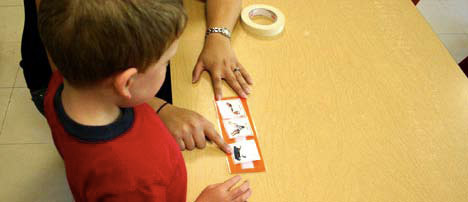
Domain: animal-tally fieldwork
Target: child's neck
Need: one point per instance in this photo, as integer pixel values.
(89, 106)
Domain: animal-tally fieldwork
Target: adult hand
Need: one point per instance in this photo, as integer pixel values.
(219, 59)
(225, 192)
(190, 129)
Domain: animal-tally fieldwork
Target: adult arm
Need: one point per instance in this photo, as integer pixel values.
(189, 129)
(217, 56)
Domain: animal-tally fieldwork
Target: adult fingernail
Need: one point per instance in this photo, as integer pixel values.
(247, 90)
(246, 188)
(250, 193)
(243, 95)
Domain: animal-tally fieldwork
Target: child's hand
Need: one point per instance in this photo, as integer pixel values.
(224, 192)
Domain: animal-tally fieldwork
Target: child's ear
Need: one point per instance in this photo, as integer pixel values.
(123, 81)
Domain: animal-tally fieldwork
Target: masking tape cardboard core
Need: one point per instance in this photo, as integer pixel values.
(266, 11)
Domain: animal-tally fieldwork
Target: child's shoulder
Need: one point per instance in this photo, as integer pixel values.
(144, 112)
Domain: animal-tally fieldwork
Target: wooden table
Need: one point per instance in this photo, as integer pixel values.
(357, 100)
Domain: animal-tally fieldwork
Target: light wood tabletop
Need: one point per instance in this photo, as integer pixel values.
(357, 100)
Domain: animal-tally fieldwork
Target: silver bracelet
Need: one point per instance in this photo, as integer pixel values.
(222, 30)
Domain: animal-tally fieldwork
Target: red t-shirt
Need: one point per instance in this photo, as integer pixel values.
(133, 159)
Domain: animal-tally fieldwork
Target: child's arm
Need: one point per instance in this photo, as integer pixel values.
(189, 128)
(225, 192)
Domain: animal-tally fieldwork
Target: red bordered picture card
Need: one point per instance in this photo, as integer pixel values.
(238, 130)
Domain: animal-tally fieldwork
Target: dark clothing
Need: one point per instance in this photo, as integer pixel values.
(464, 66)
(34, 61)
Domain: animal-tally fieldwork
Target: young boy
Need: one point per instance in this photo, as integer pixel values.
(111, 57)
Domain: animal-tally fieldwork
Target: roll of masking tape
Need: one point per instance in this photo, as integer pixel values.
(267, 11)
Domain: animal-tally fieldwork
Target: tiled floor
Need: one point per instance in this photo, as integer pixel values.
(449, 19)
(31, 169)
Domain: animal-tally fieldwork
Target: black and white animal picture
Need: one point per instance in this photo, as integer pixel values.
(245, 151)
(231, 108)
(238, 127)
